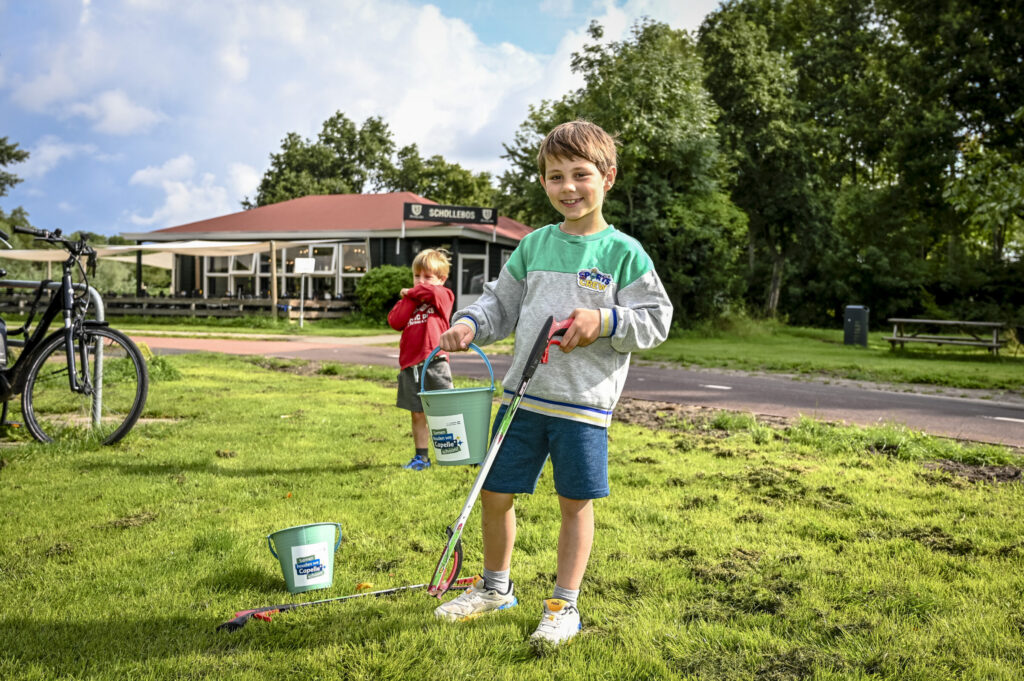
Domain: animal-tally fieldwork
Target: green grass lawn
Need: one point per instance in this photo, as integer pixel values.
(729, 549)
(821, 353)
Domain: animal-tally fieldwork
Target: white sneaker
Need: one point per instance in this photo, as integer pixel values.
(561, 621)
(476, 601)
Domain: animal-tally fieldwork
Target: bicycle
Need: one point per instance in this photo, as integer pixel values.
(86, 380)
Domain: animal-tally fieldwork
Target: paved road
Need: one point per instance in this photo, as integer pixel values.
(998, 419)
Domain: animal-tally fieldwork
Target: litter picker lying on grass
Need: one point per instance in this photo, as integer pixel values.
(243, 616)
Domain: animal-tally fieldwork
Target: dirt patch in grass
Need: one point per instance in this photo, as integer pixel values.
(673, 416)
(135, 520)
(979, 473)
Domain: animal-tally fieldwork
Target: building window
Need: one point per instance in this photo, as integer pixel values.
(337, 267)
(243, 263)
(355, 258)
(217, 264)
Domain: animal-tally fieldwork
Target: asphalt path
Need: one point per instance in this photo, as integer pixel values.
(981, 417)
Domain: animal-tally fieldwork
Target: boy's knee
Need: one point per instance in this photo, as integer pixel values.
(574, 506)
(496, 501)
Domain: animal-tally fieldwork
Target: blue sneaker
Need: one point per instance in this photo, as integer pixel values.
(418, 463)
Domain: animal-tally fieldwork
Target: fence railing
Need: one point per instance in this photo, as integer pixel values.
(14, 303)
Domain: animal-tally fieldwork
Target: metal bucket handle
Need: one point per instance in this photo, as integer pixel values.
(426, 362)
(270, 544)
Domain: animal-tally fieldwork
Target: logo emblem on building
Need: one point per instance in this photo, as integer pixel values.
(487, 212)
(417, 209)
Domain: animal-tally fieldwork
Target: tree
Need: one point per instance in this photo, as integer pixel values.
(987, 192)
(441, 181)
(647, 90)
(776, 179)
(9, 153)
(344, 159)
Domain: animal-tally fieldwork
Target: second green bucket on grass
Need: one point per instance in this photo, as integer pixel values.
(306, 555)
(458, 418)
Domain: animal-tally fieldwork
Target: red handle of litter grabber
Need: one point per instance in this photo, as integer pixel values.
(555, 334)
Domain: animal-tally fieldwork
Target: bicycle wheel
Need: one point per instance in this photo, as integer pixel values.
(120, 382)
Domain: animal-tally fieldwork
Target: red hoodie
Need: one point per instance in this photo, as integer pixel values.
(422, 316)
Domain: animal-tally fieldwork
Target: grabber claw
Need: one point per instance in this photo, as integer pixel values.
(445, 576)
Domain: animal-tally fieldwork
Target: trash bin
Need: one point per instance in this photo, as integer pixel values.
(855, 328)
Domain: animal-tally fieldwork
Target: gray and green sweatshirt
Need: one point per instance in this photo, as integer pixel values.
(551, 273)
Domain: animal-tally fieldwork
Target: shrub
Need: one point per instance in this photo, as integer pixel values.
(377, 290)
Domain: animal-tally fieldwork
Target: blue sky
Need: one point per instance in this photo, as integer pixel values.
(144, 114)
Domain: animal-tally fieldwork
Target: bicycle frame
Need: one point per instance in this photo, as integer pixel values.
(12, 379)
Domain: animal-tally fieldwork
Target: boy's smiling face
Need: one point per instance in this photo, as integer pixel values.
(576, 189)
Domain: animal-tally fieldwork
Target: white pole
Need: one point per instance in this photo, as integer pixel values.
(302, 299)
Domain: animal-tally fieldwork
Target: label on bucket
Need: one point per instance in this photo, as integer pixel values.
(448, 433)
(310, 563)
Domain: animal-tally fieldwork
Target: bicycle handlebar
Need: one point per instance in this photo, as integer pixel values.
(80, 247)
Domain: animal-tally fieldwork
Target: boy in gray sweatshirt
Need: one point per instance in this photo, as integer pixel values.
(585, 270)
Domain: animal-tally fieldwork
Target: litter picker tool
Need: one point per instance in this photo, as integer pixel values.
(450, 563)
(243, 616)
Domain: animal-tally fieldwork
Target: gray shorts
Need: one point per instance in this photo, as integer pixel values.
(439, 377)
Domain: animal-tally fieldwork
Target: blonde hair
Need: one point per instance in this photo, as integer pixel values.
(432, 260)
(578, 139)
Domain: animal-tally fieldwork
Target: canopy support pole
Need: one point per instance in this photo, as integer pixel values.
(273, 280)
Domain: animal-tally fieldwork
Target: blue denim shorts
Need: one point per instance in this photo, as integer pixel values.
(579, 456)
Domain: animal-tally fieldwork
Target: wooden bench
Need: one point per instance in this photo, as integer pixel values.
(968, 333)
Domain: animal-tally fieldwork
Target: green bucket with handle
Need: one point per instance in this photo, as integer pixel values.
(458, 419)
(306, 555)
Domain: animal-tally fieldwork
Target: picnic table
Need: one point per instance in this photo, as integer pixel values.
(969, 333)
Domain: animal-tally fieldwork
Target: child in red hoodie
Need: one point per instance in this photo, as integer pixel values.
(422, 315)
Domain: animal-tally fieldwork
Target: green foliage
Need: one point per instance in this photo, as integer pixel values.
(775, 180)
(441, 181)
(9, 153)
(987, 192)
(377, 291)
(880, 138)
(647, 90)
(345, 159)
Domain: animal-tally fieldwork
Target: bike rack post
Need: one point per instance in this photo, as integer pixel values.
(97, 301)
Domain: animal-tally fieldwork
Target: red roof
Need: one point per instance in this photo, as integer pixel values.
(328, 213)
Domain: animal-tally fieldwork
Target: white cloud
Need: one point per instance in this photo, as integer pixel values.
(179, 168)
(115, 114)
(47, 154)
(215, 86)
(186, 198)
(243, 180)
(234, 62)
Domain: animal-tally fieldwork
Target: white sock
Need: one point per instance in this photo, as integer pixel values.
(567, 595)
(496, 580)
